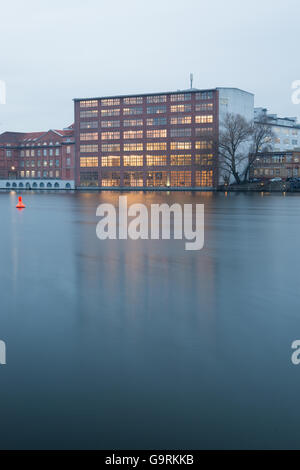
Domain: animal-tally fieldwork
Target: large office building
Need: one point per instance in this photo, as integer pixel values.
(158, 140)
(286, 130)
(37, 160)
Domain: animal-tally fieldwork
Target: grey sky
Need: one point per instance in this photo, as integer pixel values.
(53, 51)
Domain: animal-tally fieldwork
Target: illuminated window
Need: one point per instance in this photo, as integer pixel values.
(110, 178)
(88, 178)
(181, 97)
(204, 178)
(89, 114)
(204, 119)
(181, 120)
(88, 148)
(157, 99)
(110, 135)
(181, 159)
(110, 147)
(110, 102)
(132, 111)
(181, 145)
(156, 160)
(133, 147)
(89, 104)
(181, 178)
(89, 136)
(156, 109)
(133, 160)
(204, 107)
(158, 178)
(89, 125)
(204, 159)
(133, 100)
(157, 133)
(157, 122)
(132, 122)
(110, 112)
(204, 144)
(88, 162)
(183, 132)
(133, 134)
(110, 160)
(204, 95)
(181, 108)
(110, 123)
(22, 174)
(157, 146)
(133, 178)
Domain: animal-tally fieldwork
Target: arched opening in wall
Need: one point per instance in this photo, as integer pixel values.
(68, 186)
(34, 185)
(49, 185)
(21, 185)
(28, 186)
(56, 185)
(8, 185)
(14, 185)
(42, 185)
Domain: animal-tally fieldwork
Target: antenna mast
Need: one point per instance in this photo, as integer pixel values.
(191, 79)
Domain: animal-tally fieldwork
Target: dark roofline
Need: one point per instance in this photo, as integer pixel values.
(193, 90)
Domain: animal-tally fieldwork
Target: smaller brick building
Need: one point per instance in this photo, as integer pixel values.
(270, 165)
(37, 159)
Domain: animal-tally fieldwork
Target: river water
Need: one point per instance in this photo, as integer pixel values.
(142, 344)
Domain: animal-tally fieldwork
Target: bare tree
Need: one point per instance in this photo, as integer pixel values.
(234, 136)
(262, 140)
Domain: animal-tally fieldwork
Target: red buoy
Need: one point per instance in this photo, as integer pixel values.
(20, 204)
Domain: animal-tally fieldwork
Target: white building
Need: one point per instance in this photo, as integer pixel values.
(286, 130)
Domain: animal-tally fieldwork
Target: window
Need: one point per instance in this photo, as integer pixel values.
(57, 163)
(89, 125)
(181, 108)
(88, 104)
(204, 119)
(44, 152)
(133, 147)
(89, 114)
(156, 109)
(199, 131)
(204, 107)
(181, 97)
(88, 178)
(204, 95)
(181, 132)
(133, 178)
(88, 148)
(181, 159)
(111, 160)
(89, 136)
(133, 160)
(68, 149)
(50, 162)
(136, 110)
(133, 134)
(68, 161)
(157, 99)
(22, 153)
(204, 144)
(110, 178)
(32, 153)
(181, 145)
(110, 112)
(204, 178)
(110, 135)
(110, 102)
(132, 122)
(157, 146)
(8, 153)
(181, 120)
(110, 123)
(157, 178)
(156, 160)
(204, 159)
(157, 122)
(133, 100)
(181, 178)
(50, 152)
(157, 134)
(110, 147)
(88, 162)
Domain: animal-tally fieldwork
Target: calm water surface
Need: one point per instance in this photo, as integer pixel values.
(123, 344)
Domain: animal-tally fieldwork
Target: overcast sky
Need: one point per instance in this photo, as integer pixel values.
(55, 50)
